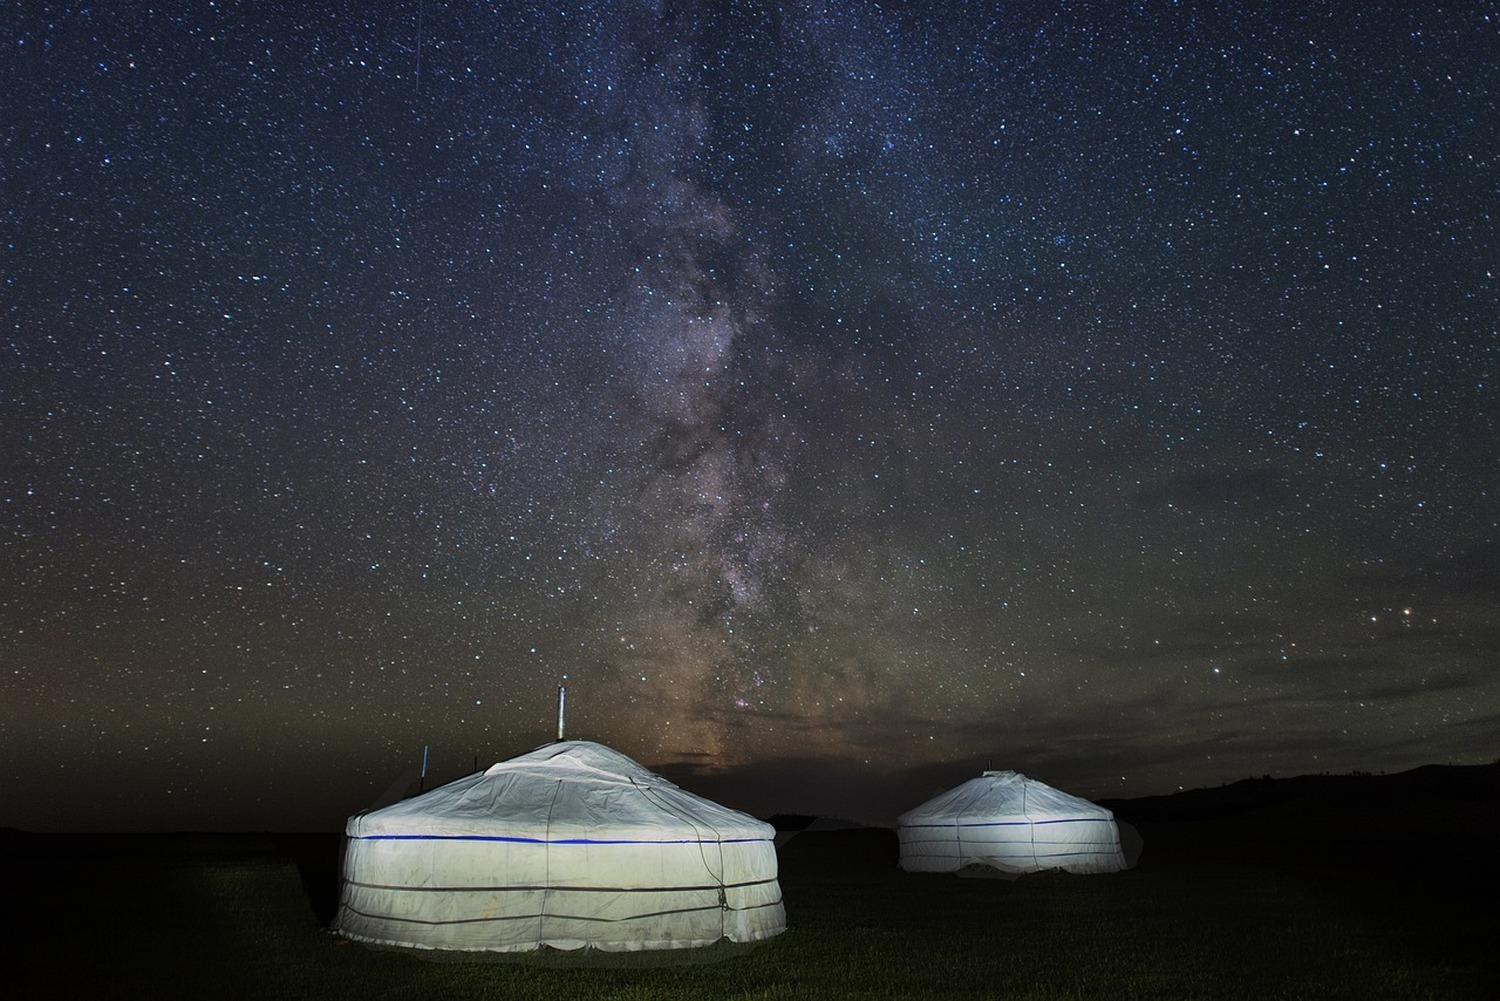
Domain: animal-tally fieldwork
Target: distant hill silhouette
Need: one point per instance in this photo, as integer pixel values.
(1447, 787)
(789, 825)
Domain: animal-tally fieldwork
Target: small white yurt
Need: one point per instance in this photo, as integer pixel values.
(571, 846)
(1011, 824)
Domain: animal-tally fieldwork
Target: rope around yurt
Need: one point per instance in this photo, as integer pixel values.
(541, 921)
(718, 877)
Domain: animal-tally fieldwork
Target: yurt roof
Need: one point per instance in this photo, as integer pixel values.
(568, 790)
(1003, 795)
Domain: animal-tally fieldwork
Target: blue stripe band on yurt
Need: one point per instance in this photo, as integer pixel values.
(1007, 823)
(1029, 823)
(544, 841)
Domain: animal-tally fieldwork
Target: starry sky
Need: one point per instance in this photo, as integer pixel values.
(839, 398)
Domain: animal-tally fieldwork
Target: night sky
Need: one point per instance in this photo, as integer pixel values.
(839, 399)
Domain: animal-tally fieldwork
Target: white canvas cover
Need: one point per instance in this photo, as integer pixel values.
(573, 845)
(1010, 823)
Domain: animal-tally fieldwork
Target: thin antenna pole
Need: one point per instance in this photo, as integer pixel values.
(562, 706)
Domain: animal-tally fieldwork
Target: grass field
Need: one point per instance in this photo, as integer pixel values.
(1215, 909)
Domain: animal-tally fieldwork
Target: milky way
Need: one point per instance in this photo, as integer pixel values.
(837, 400)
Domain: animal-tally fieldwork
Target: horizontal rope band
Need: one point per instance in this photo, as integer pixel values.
(557, 889)
(551, 916)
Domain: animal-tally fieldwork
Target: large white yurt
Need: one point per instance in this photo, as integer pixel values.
(571, 846)
(1011, 824)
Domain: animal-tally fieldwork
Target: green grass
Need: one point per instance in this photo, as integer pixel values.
(1202, 916)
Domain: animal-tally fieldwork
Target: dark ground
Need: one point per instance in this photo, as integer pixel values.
(1392, 864)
